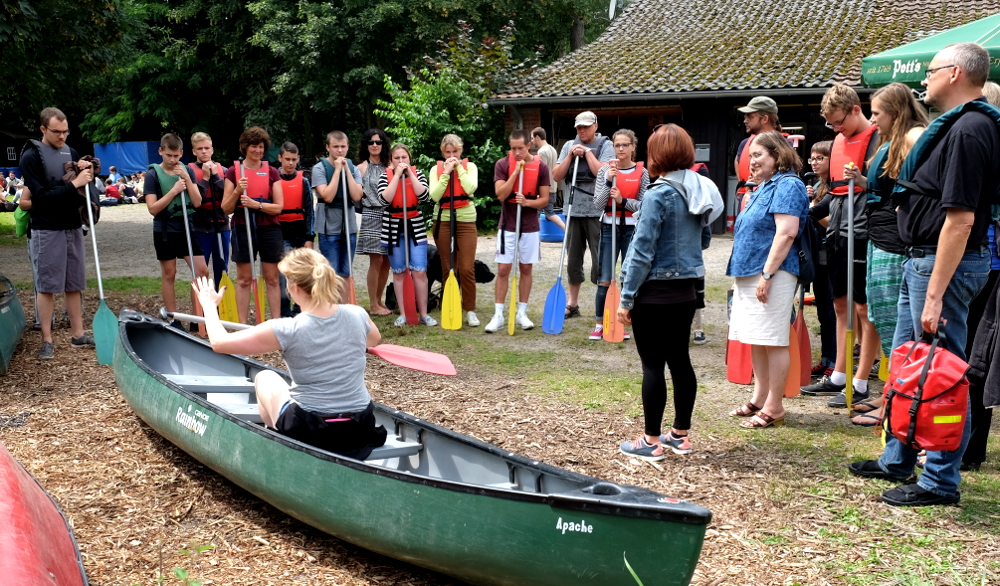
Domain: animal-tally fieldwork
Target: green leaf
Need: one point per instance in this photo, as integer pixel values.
(180, 573)
(202, 548)
(629, 566)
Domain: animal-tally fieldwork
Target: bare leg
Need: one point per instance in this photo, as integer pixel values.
(397, 286)
(383, 279)
(376, 282)
(420, 290)
(200, 270)
(524, 283)
(46, 303)
(273, 284)
(500, 287)
(870, 343)
(573, 294)
(243, 279)
(762, 375)
(272, 393)
(168, 273)
(74, 307)
(778, 360)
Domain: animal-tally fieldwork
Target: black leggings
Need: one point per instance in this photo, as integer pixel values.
(661, 337)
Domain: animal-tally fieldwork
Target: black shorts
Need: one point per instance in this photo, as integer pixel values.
(268, 244)
(174, 245)
(837, 268)
(355, 438)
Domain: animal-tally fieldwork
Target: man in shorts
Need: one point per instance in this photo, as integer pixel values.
(56, 245)
(533, 196)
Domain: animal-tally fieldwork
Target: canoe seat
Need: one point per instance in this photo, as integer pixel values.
(395, 448)
(201, 384)
(245, 411)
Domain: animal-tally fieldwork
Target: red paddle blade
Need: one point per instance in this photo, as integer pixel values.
(415, 359)
(805, 349)
(792, 381)
(409, 300)
(614, 330)
(739, 367)
(352, 297)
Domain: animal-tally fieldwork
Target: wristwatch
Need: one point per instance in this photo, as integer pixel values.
(261, 204)
(766, 275)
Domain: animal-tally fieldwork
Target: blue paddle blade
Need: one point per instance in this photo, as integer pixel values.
(554, 314)
(105, 331)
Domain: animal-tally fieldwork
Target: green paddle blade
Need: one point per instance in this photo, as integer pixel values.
(451, 304)
(105, 331)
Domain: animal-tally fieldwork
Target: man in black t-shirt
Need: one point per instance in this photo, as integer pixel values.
(943, 218)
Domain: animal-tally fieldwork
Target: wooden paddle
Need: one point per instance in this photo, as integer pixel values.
(409, 301)
(614, 330)
(554, 314)
(255, 291)
(351, 296)
(451, 301)
(517, 255)
(105, 324)
(411, 358)
(194, 276)
(805, 346)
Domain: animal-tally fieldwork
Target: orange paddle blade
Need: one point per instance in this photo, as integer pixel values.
(739, 365)
(792, 380)
(352, 297)
(614, 330)
(409, 300)
(805, 349)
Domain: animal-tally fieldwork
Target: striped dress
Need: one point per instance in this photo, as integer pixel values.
(392, 228)
(370, 234)
(885, 269)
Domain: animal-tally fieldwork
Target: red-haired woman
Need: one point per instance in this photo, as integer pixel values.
(659, 286)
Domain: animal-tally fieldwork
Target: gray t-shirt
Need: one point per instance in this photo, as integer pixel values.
(326, 357)
(583, 203)
(330, 218)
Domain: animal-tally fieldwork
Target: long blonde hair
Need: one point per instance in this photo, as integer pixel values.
(898, 101)
(311, 272)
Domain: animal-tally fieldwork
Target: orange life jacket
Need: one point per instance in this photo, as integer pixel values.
(258, 182)
(530, 186)
(292, 189)
(628, 185)
(743, 172)
(396, 207)
(208, 200)
(848, 150)
(461, 198)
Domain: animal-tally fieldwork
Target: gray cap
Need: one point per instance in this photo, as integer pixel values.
(587, 118)
(760, 104)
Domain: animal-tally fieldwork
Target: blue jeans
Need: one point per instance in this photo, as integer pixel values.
(941, 475)
(622, 241)
(329, 246)
(210, 250)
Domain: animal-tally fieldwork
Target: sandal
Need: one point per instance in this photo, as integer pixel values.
(747, 410)
(382, 312)
(866, 420)
(867, 406)
(572, 311)
(761, 420)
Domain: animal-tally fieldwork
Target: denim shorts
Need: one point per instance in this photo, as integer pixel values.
(418, 258)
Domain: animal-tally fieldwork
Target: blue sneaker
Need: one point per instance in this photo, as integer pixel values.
(640, 448)
(680, 445)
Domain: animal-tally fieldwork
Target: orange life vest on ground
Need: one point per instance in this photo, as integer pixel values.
(530, 187)
(848, 150)
(396, 207)
(258, 182)
(292, 189)
(461, 198)
(207, 200)
(628, 185)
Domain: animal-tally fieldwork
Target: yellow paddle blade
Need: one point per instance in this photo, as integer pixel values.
(451, 304)
(849, 389)
(227, 307)
(883, 368)
(513, 304)
(262, 300)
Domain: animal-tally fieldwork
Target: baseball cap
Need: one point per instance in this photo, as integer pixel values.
(587, 118)
(760, 104)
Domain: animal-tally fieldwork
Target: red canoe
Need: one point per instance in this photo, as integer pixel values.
(36, 542)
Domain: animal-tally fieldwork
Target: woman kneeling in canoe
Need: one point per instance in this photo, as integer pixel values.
(327, 405)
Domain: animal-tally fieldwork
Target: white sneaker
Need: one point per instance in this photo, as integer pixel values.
(523, 321)
(473, 319)
(495, 324)
(400, 321)
(428, 321)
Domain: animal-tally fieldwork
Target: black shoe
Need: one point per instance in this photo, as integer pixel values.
(192, 327)
(875, 369)
(914, 495)
(824, 388)
(970, 467)
(841, 399)
(871, 469)
(177, 324)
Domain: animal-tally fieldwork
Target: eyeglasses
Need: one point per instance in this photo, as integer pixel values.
(817, 159)
(371, 142)
(837, 125)
(58, 132)
(929, 72)
(623, 146)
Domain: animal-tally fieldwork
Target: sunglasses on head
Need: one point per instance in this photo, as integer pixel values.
(370, 142)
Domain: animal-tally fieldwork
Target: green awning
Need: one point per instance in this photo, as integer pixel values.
(906, 64)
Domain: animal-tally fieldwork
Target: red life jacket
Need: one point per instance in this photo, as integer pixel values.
(461, 198)
(848, 150)
(208, 200)
(743, 172)
(396, 207)
(530, 186)
(628, 185)
(292, 189)
(258, 182)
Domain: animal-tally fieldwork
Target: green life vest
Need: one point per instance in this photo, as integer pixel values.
(167, 181)
(338, 198)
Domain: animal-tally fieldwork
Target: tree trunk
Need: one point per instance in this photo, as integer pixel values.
(576, 34)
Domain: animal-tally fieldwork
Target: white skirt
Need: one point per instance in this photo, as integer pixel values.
(763, 324)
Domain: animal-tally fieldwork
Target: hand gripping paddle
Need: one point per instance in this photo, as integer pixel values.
(451, 302)
(554, 314)
(105, 324)
(409, 305)
(614, 330)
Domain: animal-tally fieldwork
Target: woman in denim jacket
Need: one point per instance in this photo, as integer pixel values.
(765, 262)
(659, 278)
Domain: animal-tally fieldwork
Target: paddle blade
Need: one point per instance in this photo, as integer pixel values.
(614, 330)
(513, 304)
(415, 359)
(227, 307)
(805, 349)
(883, 368)
(739, 366)
(352, 297)
(451, 304)
(554, 313)
(409, 300)
(105, 331)
(793, 381)
(258, 299)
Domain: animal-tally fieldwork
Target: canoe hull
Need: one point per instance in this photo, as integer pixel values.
(478, 534)
(12, 323)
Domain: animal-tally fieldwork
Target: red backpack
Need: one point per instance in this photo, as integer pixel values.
(927, 395)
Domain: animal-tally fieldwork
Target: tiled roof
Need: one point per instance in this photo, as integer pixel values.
(707, 45)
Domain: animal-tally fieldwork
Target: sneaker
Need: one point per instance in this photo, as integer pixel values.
(699, 337)
(875, 369)
(639, 448)
(176, 324)
(428, 321)
(680, 445)
(820, 370)
(84, 341)
(914, 495)
(47, 352)
(841, 399)
(626, 336)
(598, 332)
(495, 324)
(472, 319)
(824, 388)
(400, 321)
(522, 320)
(871, 469)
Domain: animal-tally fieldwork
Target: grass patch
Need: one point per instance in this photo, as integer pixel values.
(591, 389)
(716, 292)
(139, 285)
(7, 234)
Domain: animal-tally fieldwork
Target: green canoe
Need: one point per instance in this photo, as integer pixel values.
(430, 496)
(11, 322)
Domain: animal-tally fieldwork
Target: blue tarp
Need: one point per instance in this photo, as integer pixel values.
(127, 157)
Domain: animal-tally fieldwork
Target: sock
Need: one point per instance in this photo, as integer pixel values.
(838, 378)
(860, 385)
(499, 308)
(522, 308)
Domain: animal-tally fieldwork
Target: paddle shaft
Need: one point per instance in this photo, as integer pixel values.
(93, 237)
(849, 346)
(246, 217)
(347, 225)
(614, 228)
(569, 210)
(452, 222)
(517, 223)
(187, 233)
(406, 229)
